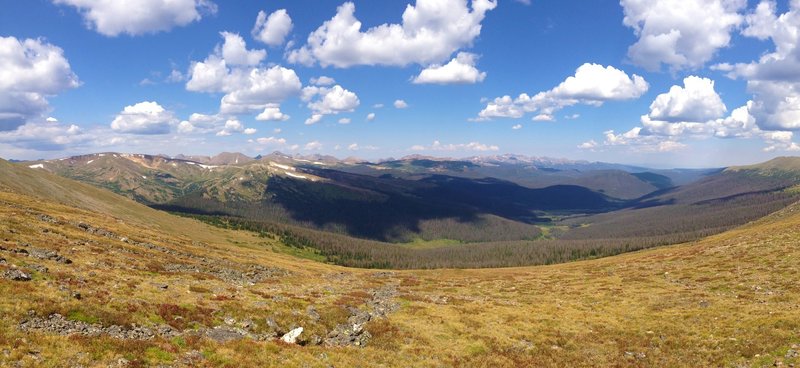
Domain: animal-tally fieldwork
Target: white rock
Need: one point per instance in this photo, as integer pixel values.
(291, 336)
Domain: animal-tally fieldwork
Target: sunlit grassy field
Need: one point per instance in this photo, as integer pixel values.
(730, 300)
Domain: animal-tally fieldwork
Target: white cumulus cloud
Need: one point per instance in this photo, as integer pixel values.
(693, 110)
(698, 122)
(592, 84)
(234, 51)
(271, 141)
(313, 119)
(30, 71)
(328, 101)
(682, 34)
(589, 145)
(323, 81)
(136, 17)
(431, 31)
(695, 101)
(247, 87)
(313, 146)
(39, 136)
(400, 104)
(259, 89)
(200, 123)
(460, 70)
(774, 80)
(273, 29)
(146, 117)
(272, 113)
(231, 126)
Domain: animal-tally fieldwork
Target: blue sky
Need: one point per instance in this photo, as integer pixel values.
(631, 81)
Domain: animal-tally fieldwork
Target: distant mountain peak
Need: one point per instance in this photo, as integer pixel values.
(230, 158)
(423, 157)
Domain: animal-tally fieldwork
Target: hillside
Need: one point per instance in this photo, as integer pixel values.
(315, 192)
(156, 179)
(710, 205)
(618, 181)
(787, 166)
(133, 294)
(424, 212)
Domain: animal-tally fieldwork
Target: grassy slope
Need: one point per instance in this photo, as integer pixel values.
(729, 299)
(787, 164)
(50, 187)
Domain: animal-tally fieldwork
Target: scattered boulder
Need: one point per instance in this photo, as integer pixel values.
(49, 255)
(247, 324)
(17, 250)
(635, 355)
(133, 333)
(312, 313)
(96, 230)
(359, 317)
(16, 275)
(252, 275)
(291, 336)
(347, 335)
(58, 324)
(47, 218)
(352, 333)
(382, 302)
(39, 268)
(224, 334)
(193, 358)
(271, 323)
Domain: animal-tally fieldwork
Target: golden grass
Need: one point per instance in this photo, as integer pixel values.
(729, 300)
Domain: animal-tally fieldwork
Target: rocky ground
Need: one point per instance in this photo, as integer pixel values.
(350, 332)
(91, 290)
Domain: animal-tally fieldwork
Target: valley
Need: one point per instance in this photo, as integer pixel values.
(146, 288)
(370, 214)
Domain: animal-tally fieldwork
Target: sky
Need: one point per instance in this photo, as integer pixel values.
(661, 83)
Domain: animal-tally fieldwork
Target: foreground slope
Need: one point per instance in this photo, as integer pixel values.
(729, 300)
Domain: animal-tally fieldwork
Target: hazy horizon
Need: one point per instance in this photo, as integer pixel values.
(377, 159)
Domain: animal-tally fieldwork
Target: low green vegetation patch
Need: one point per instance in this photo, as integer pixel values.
(419, 243)
(81, 316)
(354, 252)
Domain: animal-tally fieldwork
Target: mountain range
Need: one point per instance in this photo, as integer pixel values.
(99, 279)
(428, 202)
